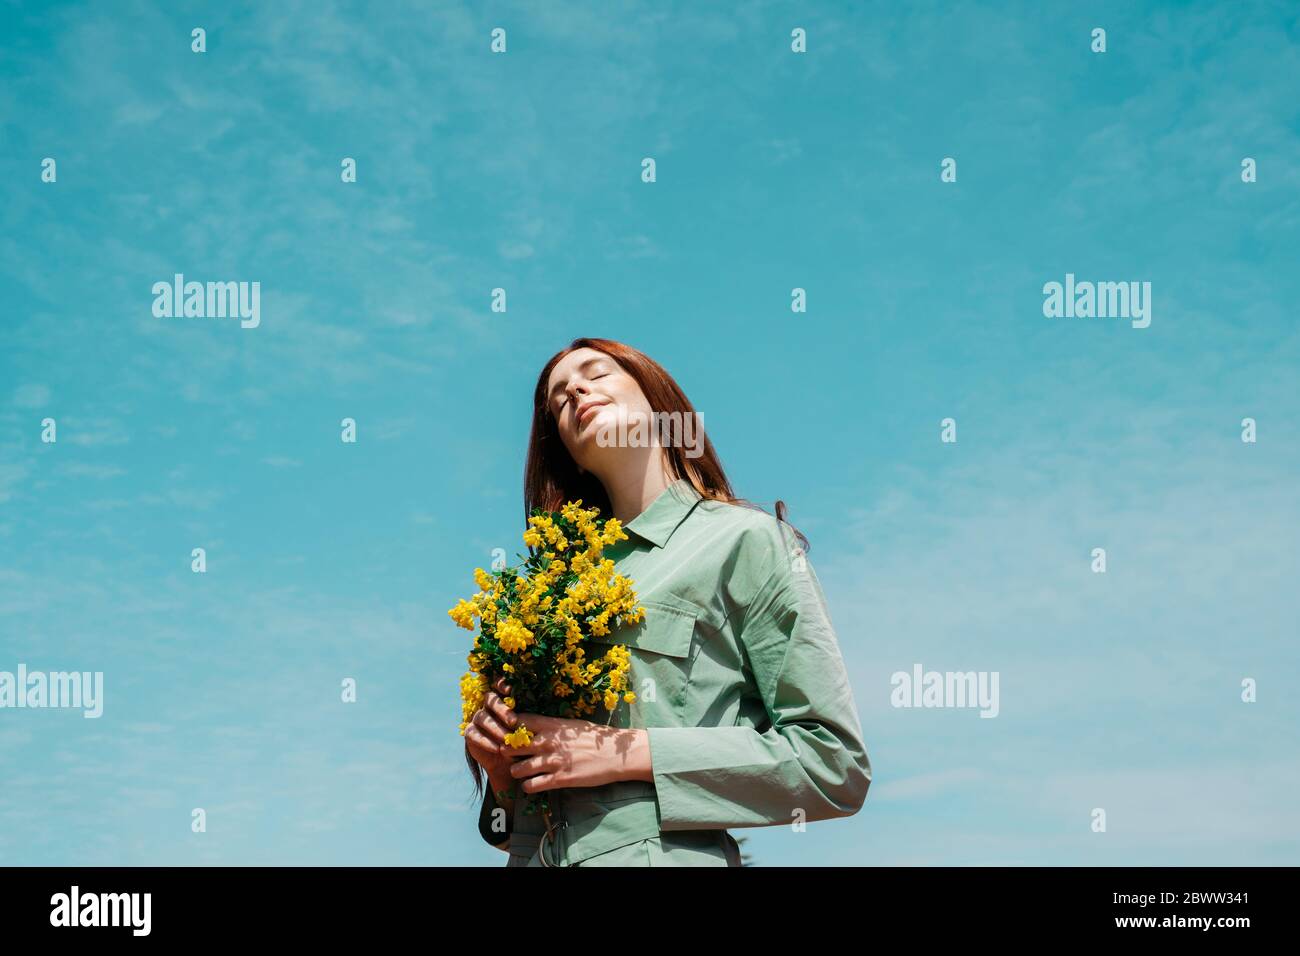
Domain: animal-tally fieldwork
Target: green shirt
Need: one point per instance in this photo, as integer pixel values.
(740, 684)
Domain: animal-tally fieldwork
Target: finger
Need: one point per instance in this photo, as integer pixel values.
(521, 769)
(481, 738)
(534, 764)
(504, 714)
(543, 781)
(481, 747)
(490, 726)
(497, 703)
(480, 744)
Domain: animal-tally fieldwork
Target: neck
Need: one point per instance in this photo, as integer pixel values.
(632, 490)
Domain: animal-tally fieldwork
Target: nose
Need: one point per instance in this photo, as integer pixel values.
(577, 389)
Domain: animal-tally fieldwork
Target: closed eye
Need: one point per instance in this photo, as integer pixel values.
(559, 408)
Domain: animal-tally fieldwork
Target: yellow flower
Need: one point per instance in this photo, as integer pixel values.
(513, 636)
(463, 614)
(565, 592)
(613, 532)
(520, 737)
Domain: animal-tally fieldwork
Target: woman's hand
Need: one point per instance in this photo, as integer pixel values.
(485, 736)
(578, 753)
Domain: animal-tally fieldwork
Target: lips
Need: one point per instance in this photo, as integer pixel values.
(586, 407)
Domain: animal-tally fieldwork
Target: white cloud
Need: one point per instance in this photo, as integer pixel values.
(31, 396)
(81, 469)
(93, 432)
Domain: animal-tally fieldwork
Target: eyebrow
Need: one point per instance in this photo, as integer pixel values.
(559, 386)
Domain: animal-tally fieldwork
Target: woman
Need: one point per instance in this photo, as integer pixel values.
(743, 714)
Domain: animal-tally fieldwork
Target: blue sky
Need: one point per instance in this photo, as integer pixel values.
(522, 171)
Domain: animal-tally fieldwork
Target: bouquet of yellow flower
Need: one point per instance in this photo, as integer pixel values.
(534, 618)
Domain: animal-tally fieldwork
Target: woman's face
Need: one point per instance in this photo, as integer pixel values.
(588, 392)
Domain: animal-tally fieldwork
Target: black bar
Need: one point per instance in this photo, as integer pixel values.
(336, 904)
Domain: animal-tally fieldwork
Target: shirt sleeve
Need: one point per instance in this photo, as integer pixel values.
(808, 761)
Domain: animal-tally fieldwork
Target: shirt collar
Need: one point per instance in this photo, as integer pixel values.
(658, 522)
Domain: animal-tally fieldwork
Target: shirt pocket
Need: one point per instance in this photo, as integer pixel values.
(661, 649)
